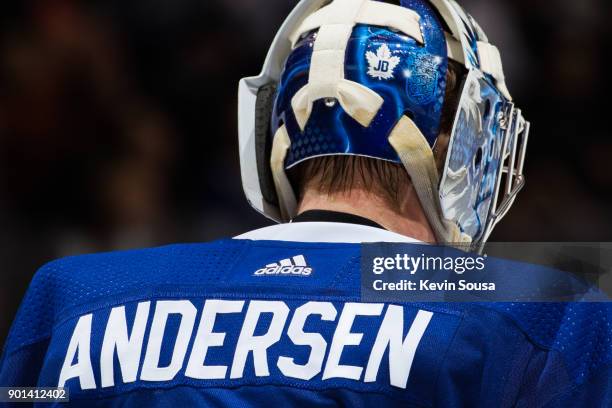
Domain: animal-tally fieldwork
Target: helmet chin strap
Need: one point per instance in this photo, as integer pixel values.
(287, 201)
(418, 160)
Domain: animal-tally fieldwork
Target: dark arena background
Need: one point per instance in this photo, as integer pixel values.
(118, 122)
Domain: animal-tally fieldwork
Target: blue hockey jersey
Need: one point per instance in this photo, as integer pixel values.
(206, 325)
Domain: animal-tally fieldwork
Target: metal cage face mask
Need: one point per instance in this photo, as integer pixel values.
(485, 159)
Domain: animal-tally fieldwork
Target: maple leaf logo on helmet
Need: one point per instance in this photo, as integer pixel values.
(382, 64)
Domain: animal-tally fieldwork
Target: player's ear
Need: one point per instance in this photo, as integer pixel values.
(440, 150)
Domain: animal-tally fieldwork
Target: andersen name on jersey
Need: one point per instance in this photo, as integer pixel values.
(260, 323)
(243, 342)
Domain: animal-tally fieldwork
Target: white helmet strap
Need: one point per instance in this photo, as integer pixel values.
(418, 160)
(335, 23)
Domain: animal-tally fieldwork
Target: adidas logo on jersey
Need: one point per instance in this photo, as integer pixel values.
(295, 266)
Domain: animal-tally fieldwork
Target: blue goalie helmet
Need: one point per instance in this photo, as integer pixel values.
(368, 78)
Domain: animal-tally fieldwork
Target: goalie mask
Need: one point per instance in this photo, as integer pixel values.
(368, 78)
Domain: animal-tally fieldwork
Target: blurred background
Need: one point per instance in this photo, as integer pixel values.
(118, 122)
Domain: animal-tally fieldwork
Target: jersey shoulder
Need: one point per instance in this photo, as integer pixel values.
(83, 277)
(66, 283)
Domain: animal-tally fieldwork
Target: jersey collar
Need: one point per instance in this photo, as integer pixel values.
(335, 216)
(326, 232)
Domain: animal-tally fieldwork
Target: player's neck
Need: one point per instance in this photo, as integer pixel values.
(407, 219)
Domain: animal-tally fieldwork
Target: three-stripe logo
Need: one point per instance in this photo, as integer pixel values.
(296, 266)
